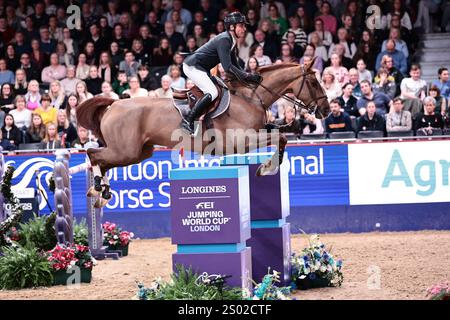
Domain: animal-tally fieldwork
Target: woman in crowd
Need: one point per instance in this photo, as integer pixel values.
(304, 19)
(12, 60)
(162, 56)
(384, 83)
(46, 111)
(146, 80)
(66, 131)
(21, 114)
(288, 123)
(38, 58)
(178, 23)
(325, 36)
(191, 44)
(178, 82)
(51, 140)
(57, 95)
(311, 124)
(363, 73)
(71, 108)
(33, 97)
(104, 68)
(107, 91)
(36, 131)
(319, 49)
(441, 102)
(252, 65)
(135, 89)
(348, 101)
(399, 9)
(94, 82)
(6, 97)
(310, 51)
(71, 44)
(20, 83)
(280, 24)
(89, 51)
(342, 38)
(82, 92)
(258, 53)
(116, 55)
(11, 132)
(330, 85)
(287, 54)
(82, 67)
(297, 50)
(429, 118)
(340, 73)
(64, 58)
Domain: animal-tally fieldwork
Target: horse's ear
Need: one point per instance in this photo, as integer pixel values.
(313, 61)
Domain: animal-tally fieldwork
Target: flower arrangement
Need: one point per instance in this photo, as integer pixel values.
(439, 291)
(315, 267)
(267, 290)
(65, 257)
(114, 236)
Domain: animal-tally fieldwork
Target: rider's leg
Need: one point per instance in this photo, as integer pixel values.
(204, 83)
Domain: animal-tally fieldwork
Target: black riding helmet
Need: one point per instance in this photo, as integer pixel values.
(234, 18)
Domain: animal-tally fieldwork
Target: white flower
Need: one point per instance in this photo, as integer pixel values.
(255, 298)
(307, 270)
(115, 237)
(323, 269)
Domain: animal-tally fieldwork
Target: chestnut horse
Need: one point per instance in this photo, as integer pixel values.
(130, 128)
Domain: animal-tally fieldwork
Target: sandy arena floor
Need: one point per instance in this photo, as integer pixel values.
(405, 263)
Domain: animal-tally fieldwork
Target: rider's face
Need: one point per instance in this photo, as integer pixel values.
(240, 30)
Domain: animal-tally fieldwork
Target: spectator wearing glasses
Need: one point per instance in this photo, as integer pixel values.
(398, 119)
(397, 56)
(429, 118)
(325, 35)
(135, 89)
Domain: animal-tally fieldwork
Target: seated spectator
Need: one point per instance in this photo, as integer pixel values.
(82, 139)
(38, 58)
(400, 45)
(21, 46)
(429, 118)
(413, 90)
(329, 20)
(398, 8)
(20, 84)
(22, 116)
(297, 50)
(46, 111)
(178, 82)
(69, 83)
(340, 72)
(135, 89)
(303, 12)
(94, 82)
(288, 124)
(71, 108)
(280, 23)
(191, 44)
(258, 52)
(116, 54)
(33, 97)
(54, 71)
(265, 9)
(51, 140)
(164, 91)
(146, 80)
(397, 56)
(349, 47)
(12, 60)
(269, 45)
(367, 50)
(6, 76)
(442, 83)
(307, 60)
(119, 37)
(388, 63)
(384, 83)
(105, 69)
(175, 39)
(129, 65)
(441, 102)
(162, 56)
(47, 44)
(300, 38)
(82, 67)
(140, 55)
(286, 54)
(11, 132)
(121, 83)
(348, 101)
(345, 62)
(66, 131)
(199, 35)
(6, 144)
(6, 97)
(108, 92)
(57, 95)
(325, 36)
(319, 50)
(82, 92)
(363, 73)
(353, 75)
(311, 124)
(337, 121)
(332, 88)
(189, 84)
(398, 119)
(31, 71)
(252, 65)
(64, 58)
(71, 44)
(371, 120)
(281, 104)
(382, 101)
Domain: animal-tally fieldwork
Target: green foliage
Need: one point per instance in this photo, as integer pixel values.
(186, 285)
(24, 267)
(80, 232)
(39, 232)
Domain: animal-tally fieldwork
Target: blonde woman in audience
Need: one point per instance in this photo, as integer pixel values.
(33, 97)
(66, 129)
(332, 88)
(82, 92)
(320, 50)
(51, 140)
(108, 92)
(57, 94)
(20, 84)
(22, 116)
(340, 73)
(178, 81)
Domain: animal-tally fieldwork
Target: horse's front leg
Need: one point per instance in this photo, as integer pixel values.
(271, 166)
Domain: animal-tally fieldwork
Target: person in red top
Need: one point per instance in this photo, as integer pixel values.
(329, 20)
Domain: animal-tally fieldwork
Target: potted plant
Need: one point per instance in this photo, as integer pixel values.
(314, 267)
(439, 291)
(115, 238)
(64, 259)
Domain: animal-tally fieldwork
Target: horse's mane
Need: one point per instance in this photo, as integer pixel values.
(277, 66)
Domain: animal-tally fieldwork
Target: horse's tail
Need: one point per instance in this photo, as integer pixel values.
(90, 113)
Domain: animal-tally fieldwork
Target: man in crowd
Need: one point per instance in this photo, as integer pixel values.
(337, 121)
(381, 100)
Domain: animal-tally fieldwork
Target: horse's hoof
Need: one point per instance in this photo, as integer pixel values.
(106, 195)
(266, 170)
(98, 183)
(100, 203)
(92, 192)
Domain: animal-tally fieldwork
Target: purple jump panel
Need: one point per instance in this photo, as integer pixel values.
(271, 247)
(236, 264)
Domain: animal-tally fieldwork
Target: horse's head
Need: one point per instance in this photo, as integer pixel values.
(309, 91)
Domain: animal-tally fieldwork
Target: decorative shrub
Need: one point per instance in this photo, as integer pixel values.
(65, 257)
(80, 232)
(439, 291)
(267, 290)
(39, 232)
(114, 236)
(24, 267)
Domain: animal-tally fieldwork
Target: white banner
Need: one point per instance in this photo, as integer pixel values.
(404, 172)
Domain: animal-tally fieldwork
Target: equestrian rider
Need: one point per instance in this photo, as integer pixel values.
(221, 49)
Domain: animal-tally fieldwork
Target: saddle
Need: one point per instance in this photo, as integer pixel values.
(185, 99)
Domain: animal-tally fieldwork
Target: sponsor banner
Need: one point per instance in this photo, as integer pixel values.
(397, 173)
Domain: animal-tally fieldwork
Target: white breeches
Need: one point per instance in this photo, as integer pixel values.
(201, 80)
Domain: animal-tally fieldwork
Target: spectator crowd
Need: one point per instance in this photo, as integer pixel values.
(51, 61)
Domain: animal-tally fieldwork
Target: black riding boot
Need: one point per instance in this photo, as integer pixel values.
(195, 112)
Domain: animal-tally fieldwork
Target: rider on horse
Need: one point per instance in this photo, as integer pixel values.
(221, 49)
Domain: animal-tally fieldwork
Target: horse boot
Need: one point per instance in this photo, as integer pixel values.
(197, 110)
